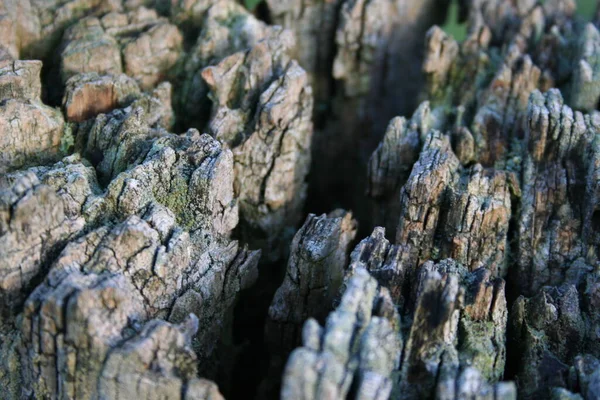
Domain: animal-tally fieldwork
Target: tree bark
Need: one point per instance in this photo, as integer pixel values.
(157, 159)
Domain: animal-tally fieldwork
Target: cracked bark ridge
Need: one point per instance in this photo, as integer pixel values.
(315, 271)
(477, 224)
(314, 24)
(113, 141)
(69, 326)
(382, 259)
(73, 327)
(455, 338)
(555, 152)
(269, 129)
(33, 132)
(89, 94)
(391, 163)
(32, 28)
(443, 210)
(139, 43)
(360, 344)
(191, 175)
(109, 281)
(422, 198)
(371, 38)
(441, 213)
(511, 50)
(456, 343)
(160, 358)
(488, 102)
(556, 228)
(226, 28)
(170, 256)
(502, 108)
(34, 224)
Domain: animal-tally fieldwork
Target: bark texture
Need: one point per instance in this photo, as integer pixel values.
(359, 85)
(89, 94)
(138, 43)
(225, 28)
(501, 185)
(157, 159)
(33, 132)
(359, 345)
(262, 108)
(314, 274)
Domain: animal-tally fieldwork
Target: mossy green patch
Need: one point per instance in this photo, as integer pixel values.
(478, 347)
(251, 4)
(67, 142)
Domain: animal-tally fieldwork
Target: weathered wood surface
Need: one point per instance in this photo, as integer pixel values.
(157, 160)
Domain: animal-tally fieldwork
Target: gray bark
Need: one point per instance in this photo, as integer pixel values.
(268, 126)
(359, 343)
(314, 274)
(152, 218)
(137, 43)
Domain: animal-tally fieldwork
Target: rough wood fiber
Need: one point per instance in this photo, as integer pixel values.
(155, 167)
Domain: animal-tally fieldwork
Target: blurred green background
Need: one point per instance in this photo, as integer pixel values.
(586, 8)
(251, 4)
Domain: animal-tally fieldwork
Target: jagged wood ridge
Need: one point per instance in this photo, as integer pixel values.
(125, 248)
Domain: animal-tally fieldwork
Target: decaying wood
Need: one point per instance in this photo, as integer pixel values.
(314, 274)
(89, 94)
(225, 28)
(34, 132)
(363, 89)
(268, 126)
(137, 43)
(359, 345)
(157, 160)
